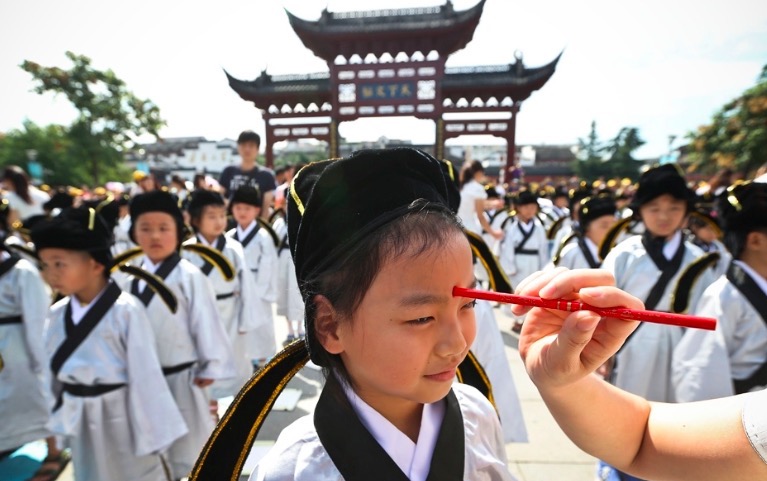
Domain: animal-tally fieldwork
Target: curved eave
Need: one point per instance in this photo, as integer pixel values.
(345, 37)
(303, 92)
(511, 83)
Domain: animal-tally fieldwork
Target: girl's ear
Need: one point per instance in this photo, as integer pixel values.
(326, 325)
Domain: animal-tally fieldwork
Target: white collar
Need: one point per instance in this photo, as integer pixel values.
(527, 226)
(413, 459)
(760, 281)
(672, 245)
(150, 266)
(79, 311)
(243, 233)
(4, 256)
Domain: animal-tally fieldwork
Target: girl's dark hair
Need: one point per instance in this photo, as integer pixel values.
(467, 173)
(16, 176)
(426, 225)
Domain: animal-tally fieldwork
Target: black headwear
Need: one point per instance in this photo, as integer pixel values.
(592, 208)
(525, 197)
(81, 229)
(743, 207)
(665, 179)
(246, 195)
(335, 203)
(201, 198)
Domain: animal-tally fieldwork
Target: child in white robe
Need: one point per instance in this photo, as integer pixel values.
(24, 390)
(378, 249)
(596, 216)
(192, 344)
(732, 359)
(261, 259)
(524, 248)
(237, 307)
(649, 267)
(290, 304)
(113, 407)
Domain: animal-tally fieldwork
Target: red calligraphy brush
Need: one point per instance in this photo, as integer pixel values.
(565, 305)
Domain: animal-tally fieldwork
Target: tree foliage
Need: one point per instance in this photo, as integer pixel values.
(610, 159)
(110, 117)
(736, 137)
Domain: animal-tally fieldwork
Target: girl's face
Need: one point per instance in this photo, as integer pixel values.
(598, 228)
(244, 214)
(157, 235)
(663, 215)
(212, 221)
(405, 340)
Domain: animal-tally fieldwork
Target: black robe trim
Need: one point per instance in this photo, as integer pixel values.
(248, 237)
(668, 268)
(758, 300)
(593, 263)
(526, 235)
(498, 280)
(77, 333)
(207, 268)
(358, 456)
(162, 272)
(8, 264)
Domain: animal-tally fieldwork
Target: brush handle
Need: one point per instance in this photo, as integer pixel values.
(667, 318)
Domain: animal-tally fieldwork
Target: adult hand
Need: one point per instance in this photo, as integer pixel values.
(559, 347)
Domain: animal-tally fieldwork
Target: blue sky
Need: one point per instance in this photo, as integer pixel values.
(662, 66)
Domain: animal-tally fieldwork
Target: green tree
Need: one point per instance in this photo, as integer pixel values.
(53, 148)
(736, 137)
(590, 163)
(620, 153)
(110, 117)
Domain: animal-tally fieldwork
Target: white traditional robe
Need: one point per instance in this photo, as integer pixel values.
(489, 349)
(706, 362)
(194, 334)
(519, 265)
(25, 398)
(643, 365)
(300, 455)
(237, 309)
(122, 241)
(119, 435)
(290, 303)
(261, 260)
(573, 256)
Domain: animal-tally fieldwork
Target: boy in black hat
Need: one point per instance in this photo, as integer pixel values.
(732, 359)
(524, 248)
(193, 346)
(114, 406)
(705, 231)
(261, 259)
(649, 266)
(235, 300)
(249, 172)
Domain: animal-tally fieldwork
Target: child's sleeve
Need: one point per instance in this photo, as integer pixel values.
(266, 279)
(33, 298)
(214, 350)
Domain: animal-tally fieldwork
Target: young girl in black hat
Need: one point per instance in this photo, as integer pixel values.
(650, 267)
(377, 249)
(113, 405)
(580, 250)
(235, 302)
(193, 346)
(732, 359)
(261, 259)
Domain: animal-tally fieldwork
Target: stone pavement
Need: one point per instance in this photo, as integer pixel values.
(548, 456)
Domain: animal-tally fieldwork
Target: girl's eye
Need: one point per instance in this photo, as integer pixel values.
(420, 321)
(470, 305)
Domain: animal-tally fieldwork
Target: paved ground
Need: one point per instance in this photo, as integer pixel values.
(548, 456)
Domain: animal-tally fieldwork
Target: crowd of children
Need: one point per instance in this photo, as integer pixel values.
(160, 307)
